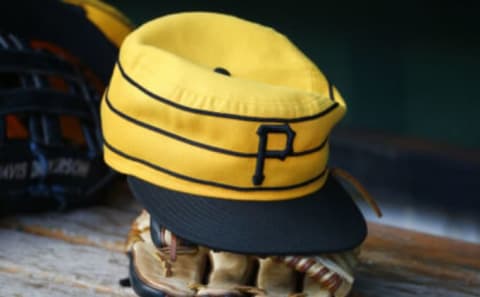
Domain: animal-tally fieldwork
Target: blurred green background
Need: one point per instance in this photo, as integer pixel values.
(406, 68)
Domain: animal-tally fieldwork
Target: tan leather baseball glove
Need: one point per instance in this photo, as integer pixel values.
(162, 264)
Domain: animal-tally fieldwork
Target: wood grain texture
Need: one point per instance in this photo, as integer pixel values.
(80, 253)
(99, 226)
(397, 262)
(28, 285)
(61, 264)
(104, 226)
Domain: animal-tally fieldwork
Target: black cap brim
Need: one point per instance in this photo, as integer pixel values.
(323, 222)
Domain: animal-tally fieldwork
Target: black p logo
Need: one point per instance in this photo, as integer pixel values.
(263, 153)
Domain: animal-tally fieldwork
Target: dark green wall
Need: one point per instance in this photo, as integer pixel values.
(404, 67)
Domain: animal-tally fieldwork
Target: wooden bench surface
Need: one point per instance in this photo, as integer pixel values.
(80, 253)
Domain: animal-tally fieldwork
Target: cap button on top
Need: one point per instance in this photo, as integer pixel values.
(222, 71)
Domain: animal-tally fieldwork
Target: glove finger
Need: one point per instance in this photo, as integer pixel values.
(328, 276)
(153, 273)
(312, 288)
(229, 274)
(275, 278)
(139, 231)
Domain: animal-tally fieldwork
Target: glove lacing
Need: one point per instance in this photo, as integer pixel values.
(171, 247)
(364, 194)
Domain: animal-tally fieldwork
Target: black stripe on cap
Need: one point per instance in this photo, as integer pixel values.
(219, 114)
(211, 183)
(195, 143)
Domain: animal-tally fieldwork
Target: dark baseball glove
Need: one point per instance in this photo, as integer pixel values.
(51, 81)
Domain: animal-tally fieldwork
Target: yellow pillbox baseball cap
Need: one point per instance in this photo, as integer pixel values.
(222, 126)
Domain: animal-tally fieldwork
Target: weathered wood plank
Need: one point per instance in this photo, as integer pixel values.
(397, 262)
(422, 253)
(62, 264)
(28, 285)
(99, 226)
(103, 226)
(383, 286)
(394, 262)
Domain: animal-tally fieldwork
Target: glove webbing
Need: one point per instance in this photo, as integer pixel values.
(323, 270)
